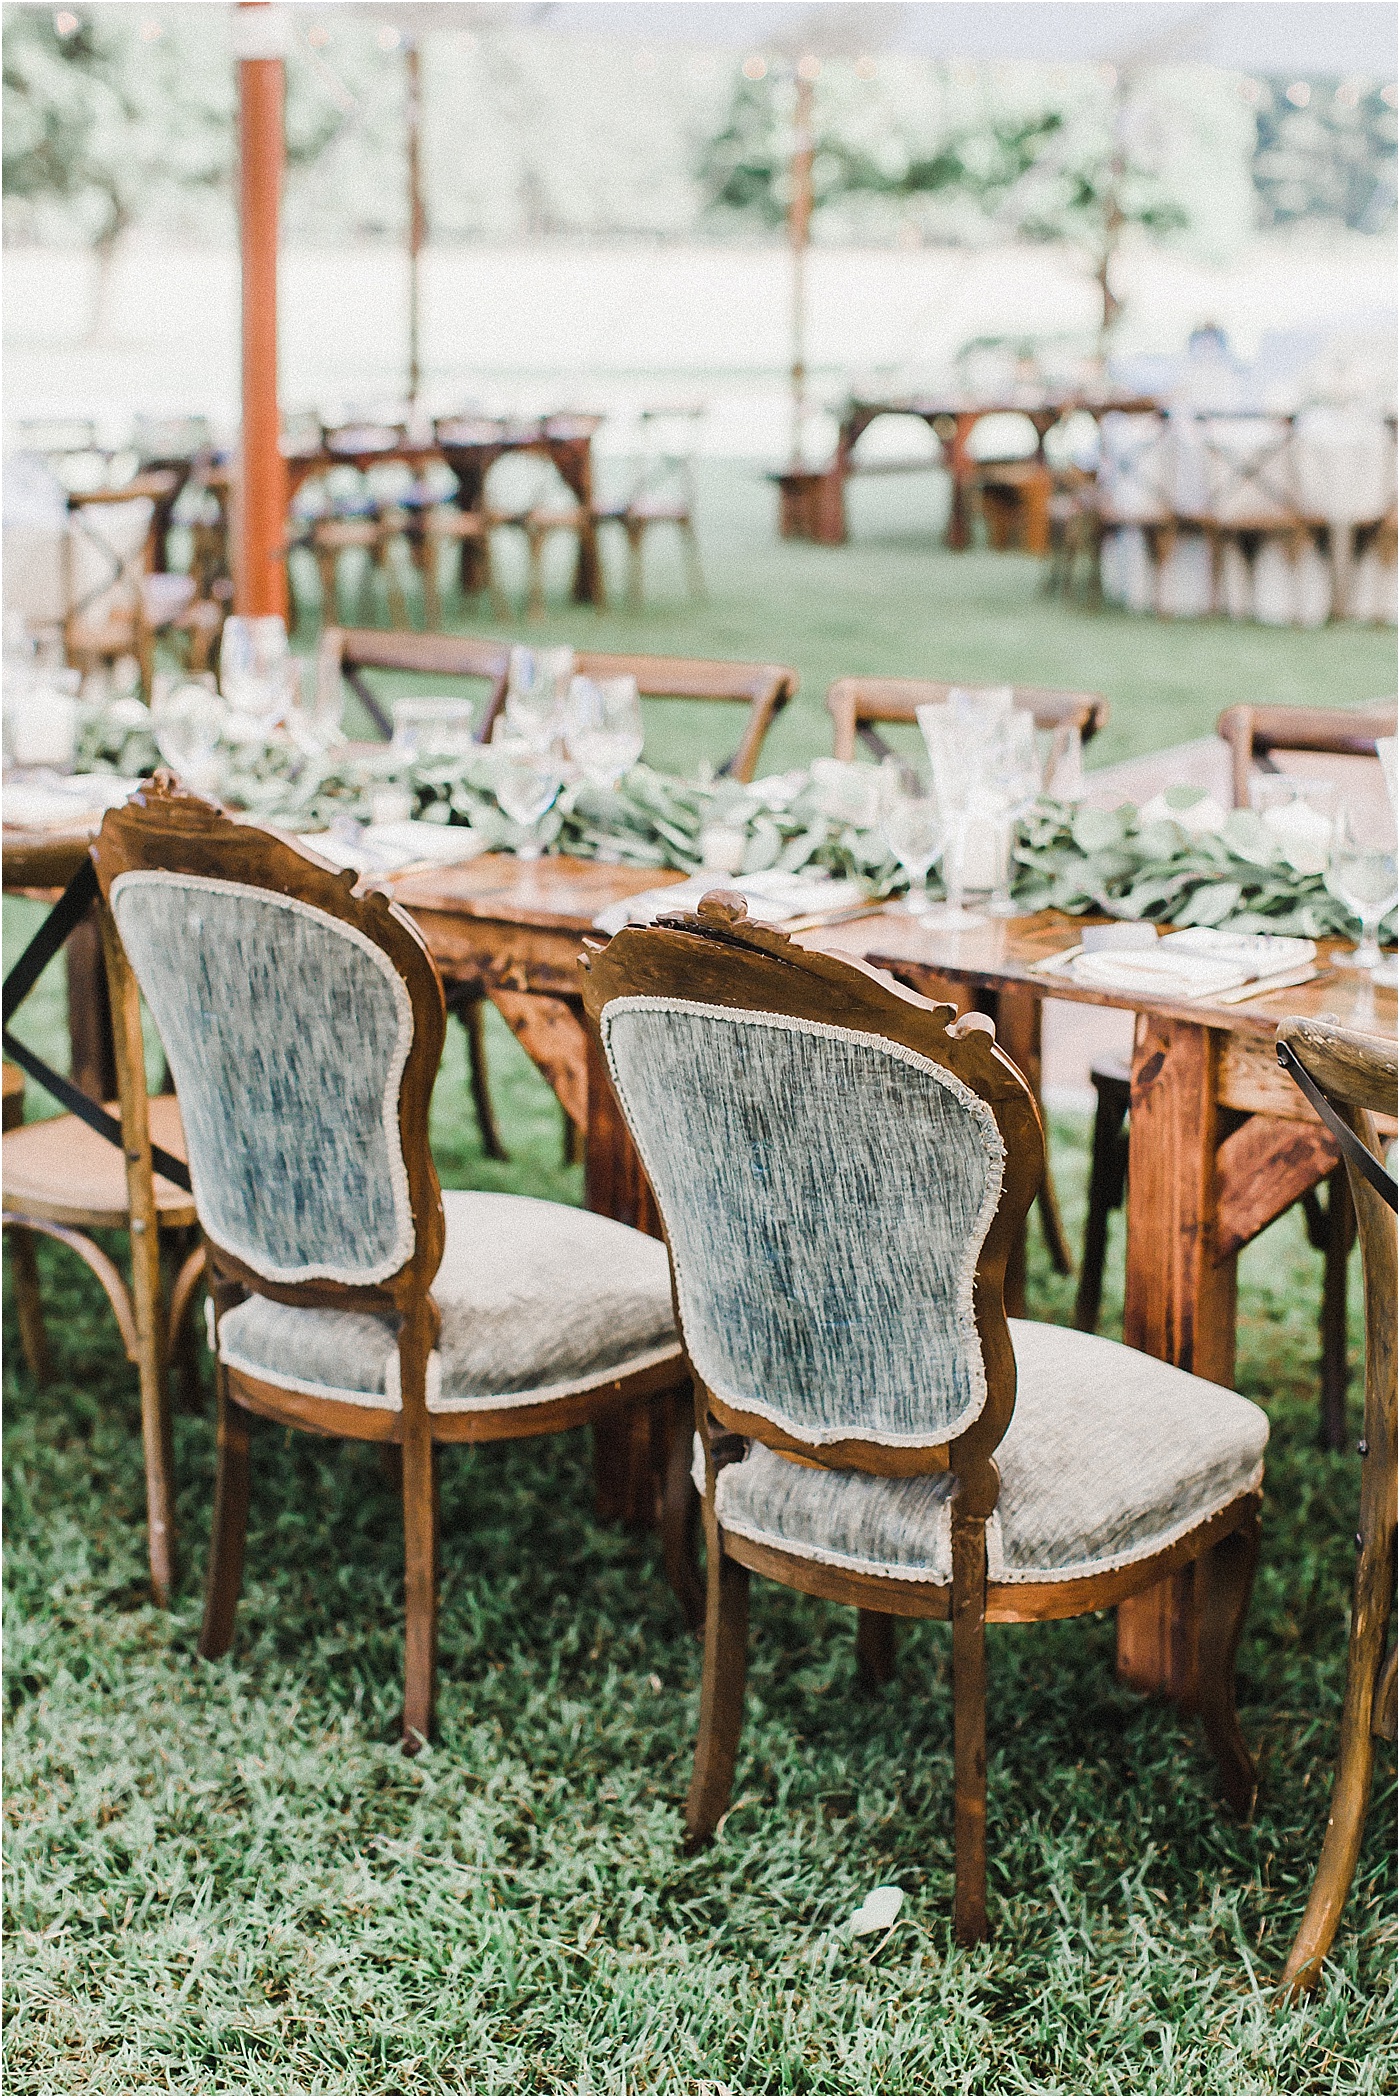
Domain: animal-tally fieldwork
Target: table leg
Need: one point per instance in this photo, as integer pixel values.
(1179, 1300)
(625, 1466)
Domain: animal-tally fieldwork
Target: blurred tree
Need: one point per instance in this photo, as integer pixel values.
(1326, 149)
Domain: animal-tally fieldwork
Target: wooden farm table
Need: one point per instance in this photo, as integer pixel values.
(1221, 1143)
(814, 502)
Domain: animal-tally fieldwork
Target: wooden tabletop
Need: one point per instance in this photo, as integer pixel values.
(558, 893)
(44, 859)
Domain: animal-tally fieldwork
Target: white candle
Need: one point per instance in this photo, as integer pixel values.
(722, 847)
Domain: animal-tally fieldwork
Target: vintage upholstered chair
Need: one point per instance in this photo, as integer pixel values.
(872, 1427)
(1357, 1075)
(304, 1025)
(1252, 735)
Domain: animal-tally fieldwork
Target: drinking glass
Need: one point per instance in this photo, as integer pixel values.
(603, 727)
(433, 728)
(1015, 779)
(536, 683)
(958, 747)
(1363, 877)
(256, 676)
(914, 830)
(188, 722)
(526, 783)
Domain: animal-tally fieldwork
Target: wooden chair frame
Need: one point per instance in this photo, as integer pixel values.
(165, 828)
(718, 958)
(1254, 733)
(855, 704)
(152, 1333)
(1358, 1075)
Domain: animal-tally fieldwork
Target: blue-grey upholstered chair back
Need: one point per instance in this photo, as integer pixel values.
(287, 1032)
(826, 1194)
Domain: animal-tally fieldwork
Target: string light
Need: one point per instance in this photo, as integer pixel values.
(866, 68)
(809, 67)
(1300, 94)
(388, 39)
(755, 68)
(1388, 96)
(64, 23)
(151, 32)
(318, 37)
(1348, 94)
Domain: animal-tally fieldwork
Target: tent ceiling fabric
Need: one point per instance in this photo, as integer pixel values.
(1259, 36)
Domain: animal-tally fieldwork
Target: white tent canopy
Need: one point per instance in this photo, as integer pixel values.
(1326, 37)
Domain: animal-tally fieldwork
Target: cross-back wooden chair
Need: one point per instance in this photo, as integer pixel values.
(63, 1181)
(1357, 1075)
(1252, 734)
(662, 492)
(842, 1176)
(764, 688)
(352, 1297)
(346, 653)
(856, 704)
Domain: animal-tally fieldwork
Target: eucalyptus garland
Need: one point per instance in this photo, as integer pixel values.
(1190, 866)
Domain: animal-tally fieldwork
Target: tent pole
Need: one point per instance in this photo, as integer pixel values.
(260, 570)
(799, 232)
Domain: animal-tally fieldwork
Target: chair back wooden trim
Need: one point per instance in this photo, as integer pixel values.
(164, 829)
(346, 652)
(856, 703)
(1358, 1075)
(1255, 732)
(765, 688)
(717, 957)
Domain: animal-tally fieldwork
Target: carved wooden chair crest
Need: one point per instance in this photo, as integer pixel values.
(842, 1175)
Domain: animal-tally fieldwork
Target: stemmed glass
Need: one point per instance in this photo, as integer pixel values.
(914, 831)
(526, 783)
(956, 739)
(433, 728)
(1363, 877)
(603, 731)
(257, 676)
(188, 722)
(1015, 779)
(535, 686)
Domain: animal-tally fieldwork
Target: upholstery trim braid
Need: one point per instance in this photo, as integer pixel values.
(826, 1194)
(390, 1397)
(295, 1155)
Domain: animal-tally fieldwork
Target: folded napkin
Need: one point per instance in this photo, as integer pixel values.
(1156, 973)
(78, 802)
(391, 848)
(773, 898)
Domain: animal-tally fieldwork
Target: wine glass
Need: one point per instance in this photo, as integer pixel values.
(957, 743)
(1015, 779)
(1363, 877)
(1302, 816)
(257, 676)
(188, 721)
(536, 682)
(603, 727)
(912, 823)
(526, 783)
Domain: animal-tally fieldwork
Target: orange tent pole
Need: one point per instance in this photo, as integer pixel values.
(260, 569)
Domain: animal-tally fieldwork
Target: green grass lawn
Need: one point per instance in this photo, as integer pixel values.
(226, 1878)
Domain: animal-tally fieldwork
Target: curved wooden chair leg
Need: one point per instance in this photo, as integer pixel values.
(1225, 1577)
(1367, 1709)
(680, 1510)
(181, 1347)
(106, 1270)
(472, 1013)
(875, 1649)
(29, 1304)
(721, 1691)
(969, 1730)
(229, 1533)
(1105, 1195)
(1339, 1235)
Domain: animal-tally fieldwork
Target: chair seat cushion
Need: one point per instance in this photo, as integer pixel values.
(63, 1171)
(538, 1301)
(1110, 1457)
